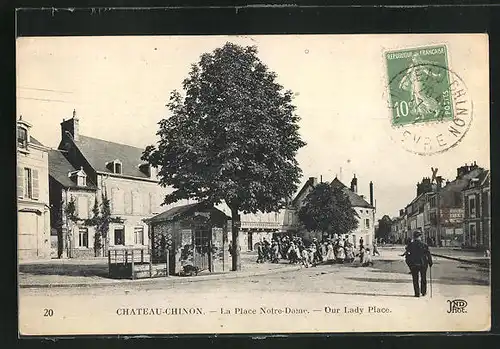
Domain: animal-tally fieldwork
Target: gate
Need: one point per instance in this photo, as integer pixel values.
(202, 246)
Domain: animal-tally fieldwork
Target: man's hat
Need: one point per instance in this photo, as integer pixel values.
(417, 234)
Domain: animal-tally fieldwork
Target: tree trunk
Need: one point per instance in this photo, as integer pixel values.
(236, 259)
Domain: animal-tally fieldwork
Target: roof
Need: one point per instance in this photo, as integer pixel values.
(483, 179)
(355, 199)
(459, 184)
(179, 212)
(59, 167)
(98, 152)
(308, 183)
(35, 141)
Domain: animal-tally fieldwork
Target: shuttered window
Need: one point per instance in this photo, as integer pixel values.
(136, 203)
(83, 207)
(35, 187)
(28, 188)
(22, 137)
(118, 200)
(128, 202)
(20, 182)
(27, 183)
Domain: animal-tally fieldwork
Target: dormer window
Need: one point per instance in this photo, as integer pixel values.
(79, 177)
(82, 181)
(22, 137)
(146, 169)
(118, 167)
(114, 166)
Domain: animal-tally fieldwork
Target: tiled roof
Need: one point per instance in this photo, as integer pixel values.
(59, 167)
(356, 200)
(35, 141)
(178, 212)
(98, 152)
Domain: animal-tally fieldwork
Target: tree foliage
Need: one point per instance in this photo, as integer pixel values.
(231, 137)
(384, 228)
(328, 209)
(101, 220)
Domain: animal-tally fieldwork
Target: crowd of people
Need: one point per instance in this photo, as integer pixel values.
(294, 249)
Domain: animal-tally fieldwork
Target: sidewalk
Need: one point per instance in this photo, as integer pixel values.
(93, 272)
(457, 254)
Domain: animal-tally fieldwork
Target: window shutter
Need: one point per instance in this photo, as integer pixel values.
(150, 203)
(35, 184)
(20, 182)
(112, 202)
(128, 202)
(466, 208)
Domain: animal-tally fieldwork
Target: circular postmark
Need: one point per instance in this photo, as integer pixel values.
(430, 107)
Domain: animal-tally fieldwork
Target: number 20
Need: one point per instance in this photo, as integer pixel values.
(48, 312)
(401, 108)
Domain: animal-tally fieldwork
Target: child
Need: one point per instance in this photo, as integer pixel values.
(361, 254)
(305, 257)
(367, 258)
(349, 253)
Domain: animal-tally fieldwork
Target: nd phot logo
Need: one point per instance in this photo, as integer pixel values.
(457, 306)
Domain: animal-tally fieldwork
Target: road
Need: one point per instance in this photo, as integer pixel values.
(385, 278)
(327, 298)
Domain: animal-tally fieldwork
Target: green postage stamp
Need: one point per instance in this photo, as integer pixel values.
(430, 108)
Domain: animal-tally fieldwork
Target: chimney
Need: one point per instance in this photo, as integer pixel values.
(70, 126)
(371, 193)
(401, 212)
(313, 181)
(354, 184)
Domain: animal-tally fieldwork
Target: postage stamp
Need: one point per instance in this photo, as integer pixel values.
(430, 107)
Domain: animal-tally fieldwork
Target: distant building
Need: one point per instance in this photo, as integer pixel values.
(446, 208)
(438, 211)
(477, 211)
(365, 210)
(33, 210)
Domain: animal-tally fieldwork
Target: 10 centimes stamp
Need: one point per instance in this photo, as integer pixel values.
(430, 107)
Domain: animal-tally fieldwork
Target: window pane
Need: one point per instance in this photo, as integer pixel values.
(22, 136)
(83, 237)
(27, 183)
(139, 235)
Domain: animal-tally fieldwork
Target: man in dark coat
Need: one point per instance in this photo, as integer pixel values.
(418, 258)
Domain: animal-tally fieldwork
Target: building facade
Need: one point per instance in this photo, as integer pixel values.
(365, 210)
(33, 207)
(114, 171)
(69, 186)
(439, 211)
(477, 212)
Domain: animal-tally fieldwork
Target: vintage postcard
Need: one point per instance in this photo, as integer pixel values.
(253, 184)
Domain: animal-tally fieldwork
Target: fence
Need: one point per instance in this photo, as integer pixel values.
(133, 263)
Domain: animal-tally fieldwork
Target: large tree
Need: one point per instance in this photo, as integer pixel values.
(231, 137)
(328, 209)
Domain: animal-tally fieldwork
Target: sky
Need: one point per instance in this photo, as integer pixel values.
(119, 87)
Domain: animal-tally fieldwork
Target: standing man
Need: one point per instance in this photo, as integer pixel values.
(418, 258)
(361, 244)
